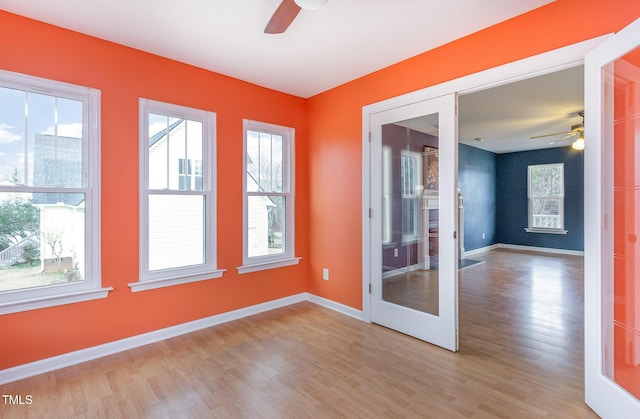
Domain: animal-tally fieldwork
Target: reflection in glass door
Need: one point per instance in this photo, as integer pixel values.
(410, 214)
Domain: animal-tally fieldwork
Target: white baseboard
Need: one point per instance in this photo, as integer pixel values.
(340, 308)
(73, 358)
(542, 249)
(480, 250)
(524, 248)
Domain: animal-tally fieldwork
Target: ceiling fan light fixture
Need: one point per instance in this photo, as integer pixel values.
(579, 143)
(310, 4)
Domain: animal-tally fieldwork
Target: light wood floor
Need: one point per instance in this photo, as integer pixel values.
(521, 356)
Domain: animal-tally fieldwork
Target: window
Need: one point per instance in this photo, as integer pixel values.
(268, 202)
(49, 193)
(190, 174)
(410, 179)
(546, 198)
(177, 196)
(386, 194)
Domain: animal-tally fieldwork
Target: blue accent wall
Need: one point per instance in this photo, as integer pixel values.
(512, 198)
(477, 180)
(496, 197)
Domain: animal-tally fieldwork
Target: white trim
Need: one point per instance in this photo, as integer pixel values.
(54, 300)
(545, 63)
(479, 250)
(541, 249)
(335, 306)
(83, 355)
(151, 284)
(267, 265)
(523, 248)
(545, 230)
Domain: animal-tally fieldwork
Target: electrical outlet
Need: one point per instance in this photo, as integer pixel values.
(395, 252)
(482, 236)
(325, 274)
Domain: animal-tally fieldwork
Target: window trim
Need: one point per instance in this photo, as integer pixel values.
(530, 228)
(414, 198)
(287, 258)
(90, 288)
(174, 276)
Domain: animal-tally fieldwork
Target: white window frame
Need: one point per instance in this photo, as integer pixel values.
(175, 276)
(530, 199)
(90, 287)
(287, 258)
(412, 198)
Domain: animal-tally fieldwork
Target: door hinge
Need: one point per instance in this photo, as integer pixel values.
(455, 235)
(369, 287)
(370, 213)
(369, 136)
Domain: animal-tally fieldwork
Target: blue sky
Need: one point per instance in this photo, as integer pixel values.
(25, 114)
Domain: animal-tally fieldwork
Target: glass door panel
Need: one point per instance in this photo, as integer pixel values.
(410, 221)
(612, 225)
(623, 297)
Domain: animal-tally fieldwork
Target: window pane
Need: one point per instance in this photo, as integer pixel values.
(277, 168)
(546, 181)
(253, 161)
(266, 225)
(176, 231)
(158, 128)
(42, 239)
(12, 125)
(264, 162)
(194, 153)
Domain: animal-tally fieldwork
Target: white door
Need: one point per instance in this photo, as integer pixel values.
(413, 247)
(612, 207)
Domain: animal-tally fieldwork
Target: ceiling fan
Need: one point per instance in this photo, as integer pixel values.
(287, 12)
(577, 129)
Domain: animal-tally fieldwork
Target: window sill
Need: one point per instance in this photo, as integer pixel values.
(545, 230)
(254, 267)
(54, 300)
(151, 284)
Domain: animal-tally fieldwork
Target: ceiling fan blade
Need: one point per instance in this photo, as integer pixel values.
(552, 135)
(282, 17)
(566, 137)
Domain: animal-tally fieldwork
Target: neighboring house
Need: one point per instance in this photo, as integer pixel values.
(58, 162)
(259, 235)
(175, 163)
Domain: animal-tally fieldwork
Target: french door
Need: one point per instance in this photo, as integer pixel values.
(413, 246)
(612, 248)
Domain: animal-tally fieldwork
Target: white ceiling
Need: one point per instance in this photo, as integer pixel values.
(342, 41)
(505, 117)
(324, 48)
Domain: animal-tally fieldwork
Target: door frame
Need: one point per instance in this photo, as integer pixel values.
(548, 62)
(603, 395)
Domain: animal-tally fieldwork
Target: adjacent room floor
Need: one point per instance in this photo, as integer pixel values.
(521, 340)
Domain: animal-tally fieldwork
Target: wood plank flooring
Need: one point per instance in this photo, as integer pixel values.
(521, 356)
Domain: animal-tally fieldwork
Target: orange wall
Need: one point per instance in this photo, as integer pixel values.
(335, 135)
(123, 75)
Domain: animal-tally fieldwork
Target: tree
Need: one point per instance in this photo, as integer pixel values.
(18, 218)
(30, 253)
